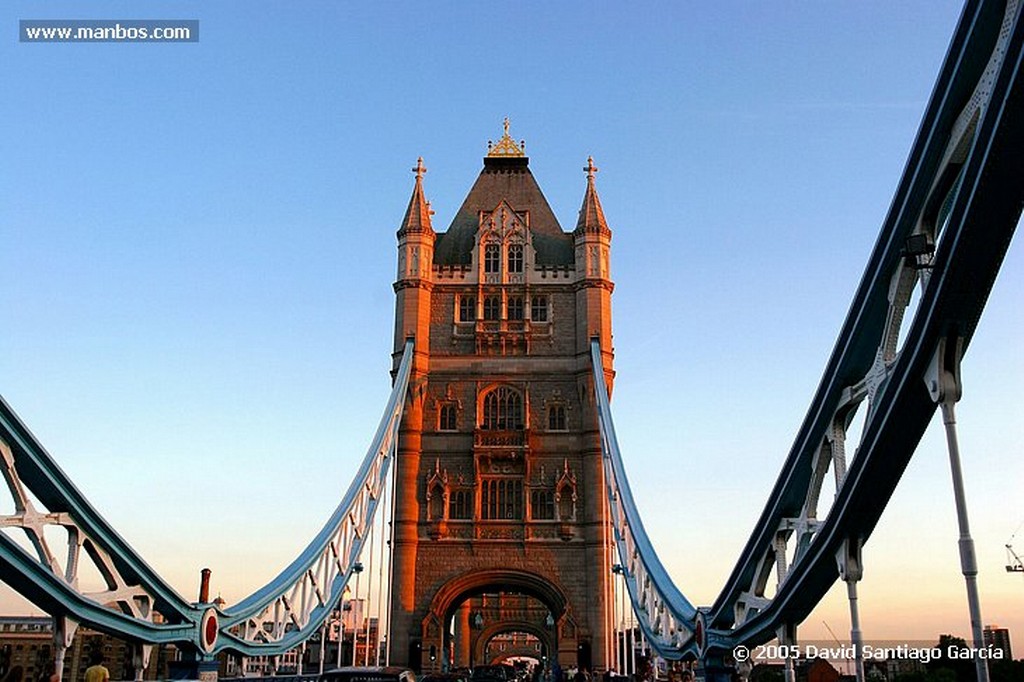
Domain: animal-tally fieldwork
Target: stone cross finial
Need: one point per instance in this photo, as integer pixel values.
(420, 169)
(590, 168)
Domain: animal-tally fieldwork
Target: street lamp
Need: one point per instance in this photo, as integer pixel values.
(357, 568)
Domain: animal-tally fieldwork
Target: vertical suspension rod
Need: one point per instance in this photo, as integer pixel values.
(369, 594)
(945, 387)
(391, 544)
(380, 571)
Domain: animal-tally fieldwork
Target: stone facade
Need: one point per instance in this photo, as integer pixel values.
(499, 475)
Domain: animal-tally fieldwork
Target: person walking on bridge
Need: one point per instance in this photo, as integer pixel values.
(97, 672)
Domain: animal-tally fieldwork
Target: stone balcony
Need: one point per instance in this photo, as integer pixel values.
(483, 438)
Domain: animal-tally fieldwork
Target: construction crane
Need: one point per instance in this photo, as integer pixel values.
(1013, 562)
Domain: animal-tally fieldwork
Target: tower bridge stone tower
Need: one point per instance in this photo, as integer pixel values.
(499, 480)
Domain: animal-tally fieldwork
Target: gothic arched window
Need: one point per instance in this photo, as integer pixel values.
(539, 309)
(502, 410)
(447, 418)
(467, 308)
(556, 418)
(501, 498)
(515, 308)
(542, 504)
(492, 308)
(460, 505)
(492, 258)
(515, 258)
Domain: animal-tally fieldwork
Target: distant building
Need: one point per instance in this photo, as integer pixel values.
(806, 670)
(998, 638)
(26, 642)
(817, 670)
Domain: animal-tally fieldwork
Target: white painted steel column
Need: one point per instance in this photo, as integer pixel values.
(968, 562)
(856, 638)
(380, 572)
(63, 636)
(787, 638)
(341, 625)
(369, 594)
(323, 645)
(851, 570)
(358, 568)
(945, 387)
(391, 549)
(609, 601)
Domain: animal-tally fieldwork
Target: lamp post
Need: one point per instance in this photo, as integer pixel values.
(357, 568)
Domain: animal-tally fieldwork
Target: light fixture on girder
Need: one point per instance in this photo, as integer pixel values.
(917, 250)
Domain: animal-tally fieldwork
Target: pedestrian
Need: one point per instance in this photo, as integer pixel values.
(97, 672)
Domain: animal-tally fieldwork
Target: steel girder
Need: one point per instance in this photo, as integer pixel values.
(961, 193)
(666, 616)
(274, 619)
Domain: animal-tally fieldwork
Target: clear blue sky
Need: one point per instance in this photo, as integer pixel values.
(197, 248)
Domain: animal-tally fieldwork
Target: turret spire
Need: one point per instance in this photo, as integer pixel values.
(591, 215)
(417, 216)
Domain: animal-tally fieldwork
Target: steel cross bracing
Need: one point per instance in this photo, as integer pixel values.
(946, 234)
(273, 620)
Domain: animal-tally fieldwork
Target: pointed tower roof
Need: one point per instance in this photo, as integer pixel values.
(505, 176)
(591, 215)
(417, 216)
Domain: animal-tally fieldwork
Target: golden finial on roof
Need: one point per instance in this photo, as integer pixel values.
(506, 146)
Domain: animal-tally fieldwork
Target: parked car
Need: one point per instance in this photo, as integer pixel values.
(446, 677)
(368, 674)
(493, 673)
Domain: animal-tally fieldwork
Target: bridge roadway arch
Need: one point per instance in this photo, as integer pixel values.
(451, 606)
(481, 642)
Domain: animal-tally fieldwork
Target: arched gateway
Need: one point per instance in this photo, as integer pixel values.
(474, 608)
(500, 523)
